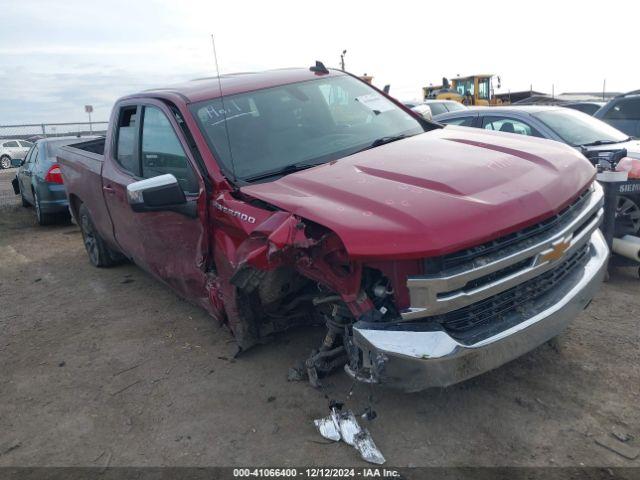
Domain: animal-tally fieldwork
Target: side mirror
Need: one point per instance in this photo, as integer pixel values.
(161, 193)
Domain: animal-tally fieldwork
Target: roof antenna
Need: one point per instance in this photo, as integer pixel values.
(224, 109)
(319, 68)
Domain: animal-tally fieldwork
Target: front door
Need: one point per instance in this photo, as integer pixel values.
(170, 245)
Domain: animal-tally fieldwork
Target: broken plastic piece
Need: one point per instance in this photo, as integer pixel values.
(343, 426)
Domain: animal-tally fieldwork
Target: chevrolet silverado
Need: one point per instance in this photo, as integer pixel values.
(303, 196)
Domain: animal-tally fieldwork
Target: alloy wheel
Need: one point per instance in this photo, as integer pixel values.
(628, 211)
(89, 238)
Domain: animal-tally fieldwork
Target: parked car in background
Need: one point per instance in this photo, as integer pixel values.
(431, 254)
(12, 152)
(585, 107)
(583, 132)
(623, 112)
(431, 108)
(39, 182)
(442, 106)
(420, 108)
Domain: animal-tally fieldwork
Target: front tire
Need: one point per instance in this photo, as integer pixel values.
(99, 254)
(5, 162)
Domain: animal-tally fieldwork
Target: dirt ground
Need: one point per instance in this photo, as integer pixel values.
(108, 366)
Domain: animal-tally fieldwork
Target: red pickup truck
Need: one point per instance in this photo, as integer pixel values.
(301, 196)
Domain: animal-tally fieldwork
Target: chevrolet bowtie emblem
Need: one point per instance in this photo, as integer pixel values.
(556, 251)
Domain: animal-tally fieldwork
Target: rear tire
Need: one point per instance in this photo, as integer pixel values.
(99, 254)
(43, 218)
(5, 162)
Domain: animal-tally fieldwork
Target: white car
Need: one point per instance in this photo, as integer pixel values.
(12, 152)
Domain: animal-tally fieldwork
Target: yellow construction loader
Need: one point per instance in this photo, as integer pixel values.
(471, 90)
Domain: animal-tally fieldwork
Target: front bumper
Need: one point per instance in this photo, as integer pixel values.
(415, 360)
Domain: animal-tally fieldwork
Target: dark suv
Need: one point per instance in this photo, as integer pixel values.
(623, 112)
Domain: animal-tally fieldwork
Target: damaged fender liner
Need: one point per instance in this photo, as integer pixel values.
(284, 241)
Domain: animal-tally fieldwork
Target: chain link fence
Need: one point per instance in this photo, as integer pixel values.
(33, 132)
(36, 131)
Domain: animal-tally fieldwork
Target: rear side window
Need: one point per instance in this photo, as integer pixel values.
(126, 143)
(461, 121)
(162, 151)
(11, 144)
(627, 109)
(509, 125)
(26, 144)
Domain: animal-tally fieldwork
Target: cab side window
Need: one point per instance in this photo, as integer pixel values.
(625, 109)
(162, 151)
(126, 140)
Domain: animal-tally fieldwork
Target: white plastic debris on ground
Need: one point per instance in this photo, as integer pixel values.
(343, 426)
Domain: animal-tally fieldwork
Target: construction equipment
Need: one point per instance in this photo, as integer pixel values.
(470, 90)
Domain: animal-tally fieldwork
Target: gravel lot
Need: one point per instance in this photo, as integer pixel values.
(107, 366)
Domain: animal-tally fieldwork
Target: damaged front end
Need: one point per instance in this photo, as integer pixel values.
(288, 272)
(416, 323)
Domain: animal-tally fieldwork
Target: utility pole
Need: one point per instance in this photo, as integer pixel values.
(604, 87)
(344, 52)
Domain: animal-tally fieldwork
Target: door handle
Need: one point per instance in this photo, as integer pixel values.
(28, 173)
(109, 189)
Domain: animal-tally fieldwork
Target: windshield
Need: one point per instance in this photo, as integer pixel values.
(577, 128)
(307, 122)
(455, 106)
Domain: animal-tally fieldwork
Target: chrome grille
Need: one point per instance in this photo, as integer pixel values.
(455, 259)
(506, 264)
(494, 309)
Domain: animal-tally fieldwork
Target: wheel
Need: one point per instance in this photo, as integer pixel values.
(99, 254)
(43, 218)
(628, 211)
(5, 162)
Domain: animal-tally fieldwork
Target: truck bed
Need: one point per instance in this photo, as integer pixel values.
(81, 165)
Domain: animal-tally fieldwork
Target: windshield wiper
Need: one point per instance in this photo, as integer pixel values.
(295, 167)
(384, 140)
(601, 142)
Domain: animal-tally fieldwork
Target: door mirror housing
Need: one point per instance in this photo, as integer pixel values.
(161, 193)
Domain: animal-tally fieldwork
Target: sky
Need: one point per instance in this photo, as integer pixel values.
(56, 57)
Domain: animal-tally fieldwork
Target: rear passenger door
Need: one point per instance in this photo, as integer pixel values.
(148, 143)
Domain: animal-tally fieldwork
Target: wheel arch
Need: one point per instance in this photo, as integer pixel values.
(74, 205)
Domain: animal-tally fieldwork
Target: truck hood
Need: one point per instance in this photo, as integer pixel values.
(434, 193)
